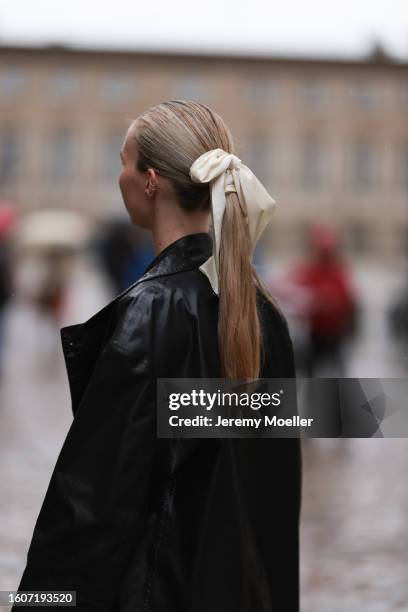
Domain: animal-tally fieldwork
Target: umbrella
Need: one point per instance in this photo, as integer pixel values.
(50, 229)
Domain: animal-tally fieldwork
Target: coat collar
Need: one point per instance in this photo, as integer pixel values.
(185, 253)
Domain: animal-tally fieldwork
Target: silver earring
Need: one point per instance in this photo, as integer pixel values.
(152, 189)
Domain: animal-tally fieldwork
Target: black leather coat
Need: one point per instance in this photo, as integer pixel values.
(136, 523)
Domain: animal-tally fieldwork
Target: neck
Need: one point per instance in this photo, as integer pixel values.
(166, 229)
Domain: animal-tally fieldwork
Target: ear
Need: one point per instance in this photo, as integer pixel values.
(152, 175)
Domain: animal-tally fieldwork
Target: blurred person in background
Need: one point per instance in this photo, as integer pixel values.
(294, 300)
(123, 253)
(330, 309)
(41, 279)
(131, 521)
(141, 255)
(52, 244)
(50, 294)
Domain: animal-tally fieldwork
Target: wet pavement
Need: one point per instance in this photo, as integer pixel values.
(354, 534)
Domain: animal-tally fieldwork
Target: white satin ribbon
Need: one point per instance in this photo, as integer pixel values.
(225, 172)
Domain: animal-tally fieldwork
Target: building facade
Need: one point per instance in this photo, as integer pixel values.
(329, 138)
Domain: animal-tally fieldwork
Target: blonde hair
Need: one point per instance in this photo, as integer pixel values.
(169, 137)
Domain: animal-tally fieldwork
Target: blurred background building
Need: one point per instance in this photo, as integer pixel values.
(329, 138)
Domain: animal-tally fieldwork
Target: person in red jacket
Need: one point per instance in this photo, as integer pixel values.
(332, 305)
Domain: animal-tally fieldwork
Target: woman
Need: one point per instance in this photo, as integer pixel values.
(135, 522)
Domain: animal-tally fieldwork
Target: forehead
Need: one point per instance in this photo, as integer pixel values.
(128, 141)
(127, 148)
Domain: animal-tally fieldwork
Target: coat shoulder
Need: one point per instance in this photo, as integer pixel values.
(166, 317)
(185, 291)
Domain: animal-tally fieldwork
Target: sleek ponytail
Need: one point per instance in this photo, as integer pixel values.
(170, 137)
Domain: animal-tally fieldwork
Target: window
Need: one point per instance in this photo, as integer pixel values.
(364, 95)
(192, 87)
(363, 166)
(312, 174)
(9, 155)
(11, 84)
(263, 94)
(261, 157)
(60, 155)
(313, 95)
(12, 81)
(111, 155)
(63, 88)
(116, 89)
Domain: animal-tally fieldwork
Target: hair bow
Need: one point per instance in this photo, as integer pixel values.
(225, 172)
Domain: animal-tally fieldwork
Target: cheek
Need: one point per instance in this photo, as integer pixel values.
(126, 184)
